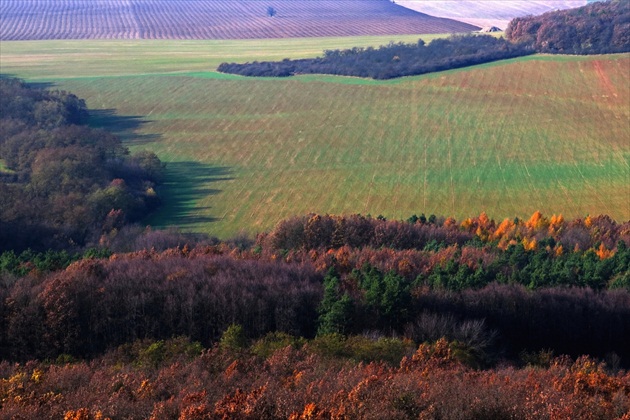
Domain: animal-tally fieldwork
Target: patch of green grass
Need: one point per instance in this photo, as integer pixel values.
(542, 133)
(60, 59)
(4, 169)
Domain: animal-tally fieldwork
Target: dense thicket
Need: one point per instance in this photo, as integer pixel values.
(95, 304)
(499, 289)
(393, 60)
(280, 377)
(597, 28)
(496, 318)
(61, 182)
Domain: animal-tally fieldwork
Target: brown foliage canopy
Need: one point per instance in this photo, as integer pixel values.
(96, 304)
(66, 183)
(299, 383)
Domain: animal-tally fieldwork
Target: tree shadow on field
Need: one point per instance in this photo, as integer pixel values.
(42, 85)
(35, 85)
(186, 184)
(124, 126)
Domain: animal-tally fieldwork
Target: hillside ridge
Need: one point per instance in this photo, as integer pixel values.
(219, 19)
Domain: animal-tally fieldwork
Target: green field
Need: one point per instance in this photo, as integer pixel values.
(3, 168)
(78, 58)
(537, 133)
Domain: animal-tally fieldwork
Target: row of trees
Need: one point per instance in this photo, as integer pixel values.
(392, 60)
(313, 231)
(63, 183)
(597, 28)
(434, 252)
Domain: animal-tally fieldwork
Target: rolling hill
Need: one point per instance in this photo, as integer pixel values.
(544, 133)
(212, 19)
(488, 13)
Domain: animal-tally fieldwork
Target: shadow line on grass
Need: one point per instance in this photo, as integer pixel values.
(35, 85)
(124, 126)
(186, 184)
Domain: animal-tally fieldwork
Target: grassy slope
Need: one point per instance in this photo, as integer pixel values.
(96, 58)
(3, 168)
(547, 133)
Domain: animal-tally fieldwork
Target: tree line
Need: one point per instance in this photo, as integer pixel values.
(392, 60)
(62, 183)
(442, 253)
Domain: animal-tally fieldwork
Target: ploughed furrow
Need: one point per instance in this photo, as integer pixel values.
(12, 17)
(107, 19)
(45, 27)
(142, 18)
(108, 22)
(196, 23)
(7, 8)
(28, 23)
(35, 24)
(127, 19)
(213, 19)
(163, 19)
(156, 23)
(163, 22)
(66, 19)
(69, 21)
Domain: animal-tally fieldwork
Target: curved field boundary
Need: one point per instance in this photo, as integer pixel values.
(213, 19)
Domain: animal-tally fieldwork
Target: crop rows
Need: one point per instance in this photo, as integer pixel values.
(206, 19)
(67, 19)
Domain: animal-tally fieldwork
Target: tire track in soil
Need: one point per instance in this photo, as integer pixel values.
(604, 79)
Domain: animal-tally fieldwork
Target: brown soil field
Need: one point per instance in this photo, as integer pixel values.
(213, 19)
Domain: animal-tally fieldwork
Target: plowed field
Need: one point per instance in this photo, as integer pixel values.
(212, 19)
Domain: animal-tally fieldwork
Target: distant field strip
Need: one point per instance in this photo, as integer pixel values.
(545, 133)
(212, 19)
(95, 58)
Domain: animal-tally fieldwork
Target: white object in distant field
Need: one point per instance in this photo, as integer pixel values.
(487, 13)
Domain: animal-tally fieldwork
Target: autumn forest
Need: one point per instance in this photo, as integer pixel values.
(323, 316)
